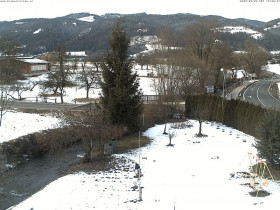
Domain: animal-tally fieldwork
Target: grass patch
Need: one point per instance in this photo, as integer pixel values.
(130, 142)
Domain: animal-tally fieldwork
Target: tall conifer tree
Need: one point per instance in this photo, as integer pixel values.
(121, 98)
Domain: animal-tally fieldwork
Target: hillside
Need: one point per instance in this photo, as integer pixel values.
(89, 32)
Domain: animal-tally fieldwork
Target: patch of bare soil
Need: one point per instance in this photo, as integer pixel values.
(106, 162)
(261, 193)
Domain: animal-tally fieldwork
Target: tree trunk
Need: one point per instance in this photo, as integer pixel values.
(61, 96)
(87, 92)
(200, 127)
(217, 79)
(164, 131)
(91, 152)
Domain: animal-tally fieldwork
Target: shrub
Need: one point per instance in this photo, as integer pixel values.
(268, 131)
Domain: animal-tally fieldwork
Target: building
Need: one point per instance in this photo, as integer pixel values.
(33, 66)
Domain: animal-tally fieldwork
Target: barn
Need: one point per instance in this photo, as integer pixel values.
(33, 66)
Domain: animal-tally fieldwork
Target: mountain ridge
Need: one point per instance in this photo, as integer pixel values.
(90, 32)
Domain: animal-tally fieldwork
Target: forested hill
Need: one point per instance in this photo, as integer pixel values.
(89, 32)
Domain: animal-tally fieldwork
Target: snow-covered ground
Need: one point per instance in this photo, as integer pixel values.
(241, 29)
(87, 19)
(70, 94)
(274, 68)
(16, 124)
(193, 174)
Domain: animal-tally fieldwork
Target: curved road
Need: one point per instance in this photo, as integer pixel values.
(258, 94)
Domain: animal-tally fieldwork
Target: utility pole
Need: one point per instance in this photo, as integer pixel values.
(139, 171)
(223, 87)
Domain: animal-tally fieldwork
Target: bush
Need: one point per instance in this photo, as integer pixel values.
(234, 113)
(36, 144)
(268, 131)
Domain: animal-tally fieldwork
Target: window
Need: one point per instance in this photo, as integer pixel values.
(38, 67)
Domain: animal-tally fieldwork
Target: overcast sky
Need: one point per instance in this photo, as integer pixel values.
(264, 10)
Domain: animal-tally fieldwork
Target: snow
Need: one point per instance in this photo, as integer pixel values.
(275, 52)
(149, 41)
(84, 32)
(34, 60)
(193, 174)
(273, 27)
(16, 124)
(274, 68)
(78, 53)
(19, 23)
(38, 31)
(87, 19)
(241, 29)
(239, 74)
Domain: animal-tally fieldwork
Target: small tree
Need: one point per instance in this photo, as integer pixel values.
(91, 128)
(200, 110)
(88, 77)
(268, 131)
(3, 101)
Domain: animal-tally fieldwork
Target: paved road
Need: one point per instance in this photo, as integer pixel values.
(258, 93)
(40, 105)
(236, 93)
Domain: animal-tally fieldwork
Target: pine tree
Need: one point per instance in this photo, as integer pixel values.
(121, 98)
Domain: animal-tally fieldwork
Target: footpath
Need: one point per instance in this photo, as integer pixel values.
(237, 93)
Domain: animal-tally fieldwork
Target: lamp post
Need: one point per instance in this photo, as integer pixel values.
(222, 70)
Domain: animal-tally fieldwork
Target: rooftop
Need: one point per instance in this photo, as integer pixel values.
(34, 61)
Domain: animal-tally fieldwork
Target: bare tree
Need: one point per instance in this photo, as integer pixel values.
(59, 78)
(90, 127)
(75, 64)
(200, 39)
(96, 62)
(168, 37)
(254, 57)
(140, 60)
(88, 77)
(3, 101)
(200, 111)
(9, 66)
(51, 58)
(221, 57)
(165, 88)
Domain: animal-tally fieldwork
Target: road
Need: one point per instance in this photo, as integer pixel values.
(40, 105)
(258, 93)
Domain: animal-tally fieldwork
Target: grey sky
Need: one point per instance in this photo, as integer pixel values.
(263, 10)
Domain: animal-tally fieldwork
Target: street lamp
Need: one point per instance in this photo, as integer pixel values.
(223, 87)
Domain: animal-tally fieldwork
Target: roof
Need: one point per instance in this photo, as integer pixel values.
(34, 61)
(77, 54)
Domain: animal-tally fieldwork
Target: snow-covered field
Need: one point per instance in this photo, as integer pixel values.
(16, 124)
(241, 29)
(274, 68)
(193, 174)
